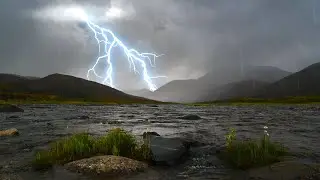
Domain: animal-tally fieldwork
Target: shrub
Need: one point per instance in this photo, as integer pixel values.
(245, 154)
(117, 142)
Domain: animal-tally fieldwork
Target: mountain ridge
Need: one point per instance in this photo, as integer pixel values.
(67, 87)
(197, 89)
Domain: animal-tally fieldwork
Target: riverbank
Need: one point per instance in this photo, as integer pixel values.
(298, 100)
(74, 102)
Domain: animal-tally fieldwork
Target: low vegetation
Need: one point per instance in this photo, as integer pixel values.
(245, 154)
(33, 98)
(283, 100)
(117, 142)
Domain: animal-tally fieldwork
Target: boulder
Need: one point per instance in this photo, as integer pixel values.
(4, 108)
(145, 134)
(191, 117)
(9, 132)
(166, 151)
(106, 166)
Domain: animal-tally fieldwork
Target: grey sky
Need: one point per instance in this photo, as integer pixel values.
(196, 36)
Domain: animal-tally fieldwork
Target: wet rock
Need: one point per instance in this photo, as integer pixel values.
(9, 132)
(145, 134)
(191, 117)
(193, 143)
(286, 170)
(291, 108)
(50, 125)
(10, 108)
(114, 122)
(77, 117)
(166, 151)
(106, 166)
(13, 117)
(83, 117)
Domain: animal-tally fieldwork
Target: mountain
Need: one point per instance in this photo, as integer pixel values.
(9, 78)
(303, 83)
(12, 78)
(177, 91)
(234, 90)
(140, 92)
(209, 86)
(64, 87)
(259, 73)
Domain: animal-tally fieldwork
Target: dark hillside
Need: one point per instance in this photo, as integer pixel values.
(303, 83)
(69, 88)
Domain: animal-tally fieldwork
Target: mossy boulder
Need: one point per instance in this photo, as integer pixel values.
(107, 166)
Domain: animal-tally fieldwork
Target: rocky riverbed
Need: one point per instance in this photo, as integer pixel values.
(297, 126)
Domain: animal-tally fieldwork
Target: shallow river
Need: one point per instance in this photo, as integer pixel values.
(297, 126)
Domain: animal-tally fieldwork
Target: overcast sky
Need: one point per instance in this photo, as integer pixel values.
(195, 36)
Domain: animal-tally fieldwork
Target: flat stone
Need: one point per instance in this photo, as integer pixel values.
(287, 170)
(106, 166)
(9, 132)
(284, 170)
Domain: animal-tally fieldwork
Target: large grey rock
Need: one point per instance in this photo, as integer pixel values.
(166, 150)
(146, 134)
(4, 108)
(106, 166)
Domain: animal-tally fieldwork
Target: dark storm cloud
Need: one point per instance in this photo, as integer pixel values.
(196, 36)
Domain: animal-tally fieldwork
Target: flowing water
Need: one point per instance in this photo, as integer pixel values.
(298, 127)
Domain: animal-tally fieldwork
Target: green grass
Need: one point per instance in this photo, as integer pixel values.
(283, 100)
(245, 154)
(76, 102)
(116, 142)
(34, 98)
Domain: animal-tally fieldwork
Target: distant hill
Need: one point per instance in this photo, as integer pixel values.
(10, 78)
(13, 78)
(177, 91)
(210, 85)
(240, 89)
(259, 73)
(303, 83)
(140, 92)
(63, 87)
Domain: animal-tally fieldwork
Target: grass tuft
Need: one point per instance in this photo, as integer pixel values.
(116, 142)
(251, 153)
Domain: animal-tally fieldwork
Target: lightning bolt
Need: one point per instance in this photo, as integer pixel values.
(107, 41)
